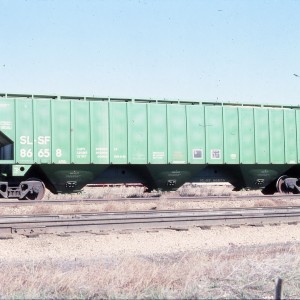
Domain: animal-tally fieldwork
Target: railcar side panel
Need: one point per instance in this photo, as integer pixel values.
(80, 132)
(99, 122)
(231, 135)
(157, 134)
(195, 134)
(61, 128)
(214, 134)
(137, 133)
(262, 137)
(7, 130)
(118, 133)
(277, 140)
(298, 133)
(177, 139)
(42, 131)
(290, 131)
(24, 132)
(246, 135)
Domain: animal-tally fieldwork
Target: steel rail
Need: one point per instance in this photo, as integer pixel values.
(148, 199)
(112, 221)
(151, 212)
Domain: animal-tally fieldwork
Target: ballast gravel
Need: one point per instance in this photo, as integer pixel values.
(163, 242)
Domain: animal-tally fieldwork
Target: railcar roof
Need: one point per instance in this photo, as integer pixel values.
(139, 100)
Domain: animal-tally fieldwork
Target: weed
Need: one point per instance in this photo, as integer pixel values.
(232, 273)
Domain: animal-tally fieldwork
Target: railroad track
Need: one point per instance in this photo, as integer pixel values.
(117, 221)
(148, 199)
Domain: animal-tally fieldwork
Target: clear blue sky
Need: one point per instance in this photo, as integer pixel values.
(238, 51)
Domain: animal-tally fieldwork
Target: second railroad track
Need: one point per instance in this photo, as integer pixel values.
(118, 221)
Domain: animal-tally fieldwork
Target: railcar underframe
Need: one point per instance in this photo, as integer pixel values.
(71, 178)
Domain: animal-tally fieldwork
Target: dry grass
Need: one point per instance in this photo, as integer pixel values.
(109, 192)
(224, 189)
(123, 191)
(235, 273)
(121, 206)
(190, 190)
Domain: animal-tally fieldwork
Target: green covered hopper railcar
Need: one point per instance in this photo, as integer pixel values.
(64, 143)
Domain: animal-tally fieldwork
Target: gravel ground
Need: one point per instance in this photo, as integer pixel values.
(87, 246)
(231, 262)
(163, 242)
(220, 262)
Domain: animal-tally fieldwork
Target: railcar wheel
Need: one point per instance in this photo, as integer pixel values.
(281, 186)
(36, 191)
